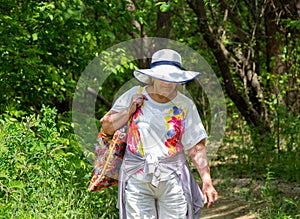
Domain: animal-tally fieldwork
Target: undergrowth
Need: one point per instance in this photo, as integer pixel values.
(43, 172)
(269, 180)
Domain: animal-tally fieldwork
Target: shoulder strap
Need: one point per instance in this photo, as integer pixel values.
(140, 90)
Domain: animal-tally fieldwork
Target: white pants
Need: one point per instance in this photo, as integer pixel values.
(144, 201)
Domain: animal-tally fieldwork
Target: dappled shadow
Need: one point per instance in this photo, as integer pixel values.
(228, 208)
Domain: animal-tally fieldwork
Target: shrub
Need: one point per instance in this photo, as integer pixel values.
(43, 172)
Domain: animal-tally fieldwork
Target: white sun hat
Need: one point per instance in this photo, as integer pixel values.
(166, 65)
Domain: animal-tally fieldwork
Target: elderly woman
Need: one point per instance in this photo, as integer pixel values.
(162, 124)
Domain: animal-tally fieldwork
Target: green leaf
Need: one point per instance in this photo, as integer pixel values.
(290, 201)
(34, 36)
(16, 184)
(165, 6)
(2, 175)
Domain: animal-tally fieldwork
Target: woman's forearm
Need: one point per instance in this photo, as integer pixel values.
(112, 121)
(200, 160)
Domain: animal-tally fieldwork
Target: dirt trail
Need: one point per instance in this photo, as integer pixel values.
(228, 208)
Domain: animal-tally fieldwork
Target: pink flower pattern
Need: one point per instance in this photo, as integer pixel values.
(175, 123)
(134, 143)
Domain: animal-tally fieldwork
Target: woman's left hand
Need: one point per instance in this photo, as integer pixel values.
(210, 194)
(200, 160)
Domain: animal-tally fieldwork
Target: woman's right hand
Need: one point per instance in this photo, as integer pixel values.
(137, 101)
(115, 120)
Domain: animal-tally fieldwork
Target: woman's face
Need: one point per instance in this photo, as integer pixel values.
(165, 89)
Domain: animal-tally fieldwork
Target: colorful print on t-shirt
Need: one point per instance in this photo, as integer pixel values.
(135, 145)
(175, 127)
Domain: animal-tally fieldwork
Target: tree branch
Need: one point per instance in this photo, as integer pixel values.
(241, 33)
(222, 57)
(99, 97)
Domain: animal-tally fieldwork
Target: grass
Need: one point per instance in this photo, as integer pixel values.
(270, 184)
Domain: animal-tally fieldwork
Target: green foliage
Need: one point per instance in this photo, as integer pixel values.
(271, 176)
(277, 206)
(27, 58)
(43, 172)
(285, 151)
(44, 47)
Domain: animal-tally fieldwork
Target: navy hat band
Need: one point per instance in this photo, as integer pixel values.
(177, 64)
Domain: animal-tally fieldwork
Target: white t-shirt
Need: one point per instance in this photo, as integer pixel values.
(162, 129)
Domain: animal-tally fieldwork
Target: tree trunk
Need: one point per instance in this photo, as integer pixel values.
(163, 23)
(277, 37)
(249, 110)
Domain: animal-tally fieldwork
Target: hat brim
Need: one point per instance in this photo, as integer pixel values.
(165, 73)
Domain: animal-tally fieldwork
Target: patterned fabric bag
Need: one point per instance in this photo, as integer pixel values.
(109, 152)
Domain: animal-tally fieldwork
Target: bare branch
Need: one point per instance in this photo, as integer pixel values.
(99, 97)
(241, 32)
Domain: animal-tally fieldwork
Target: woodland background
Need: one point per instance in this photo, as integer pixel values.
(252, 45)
